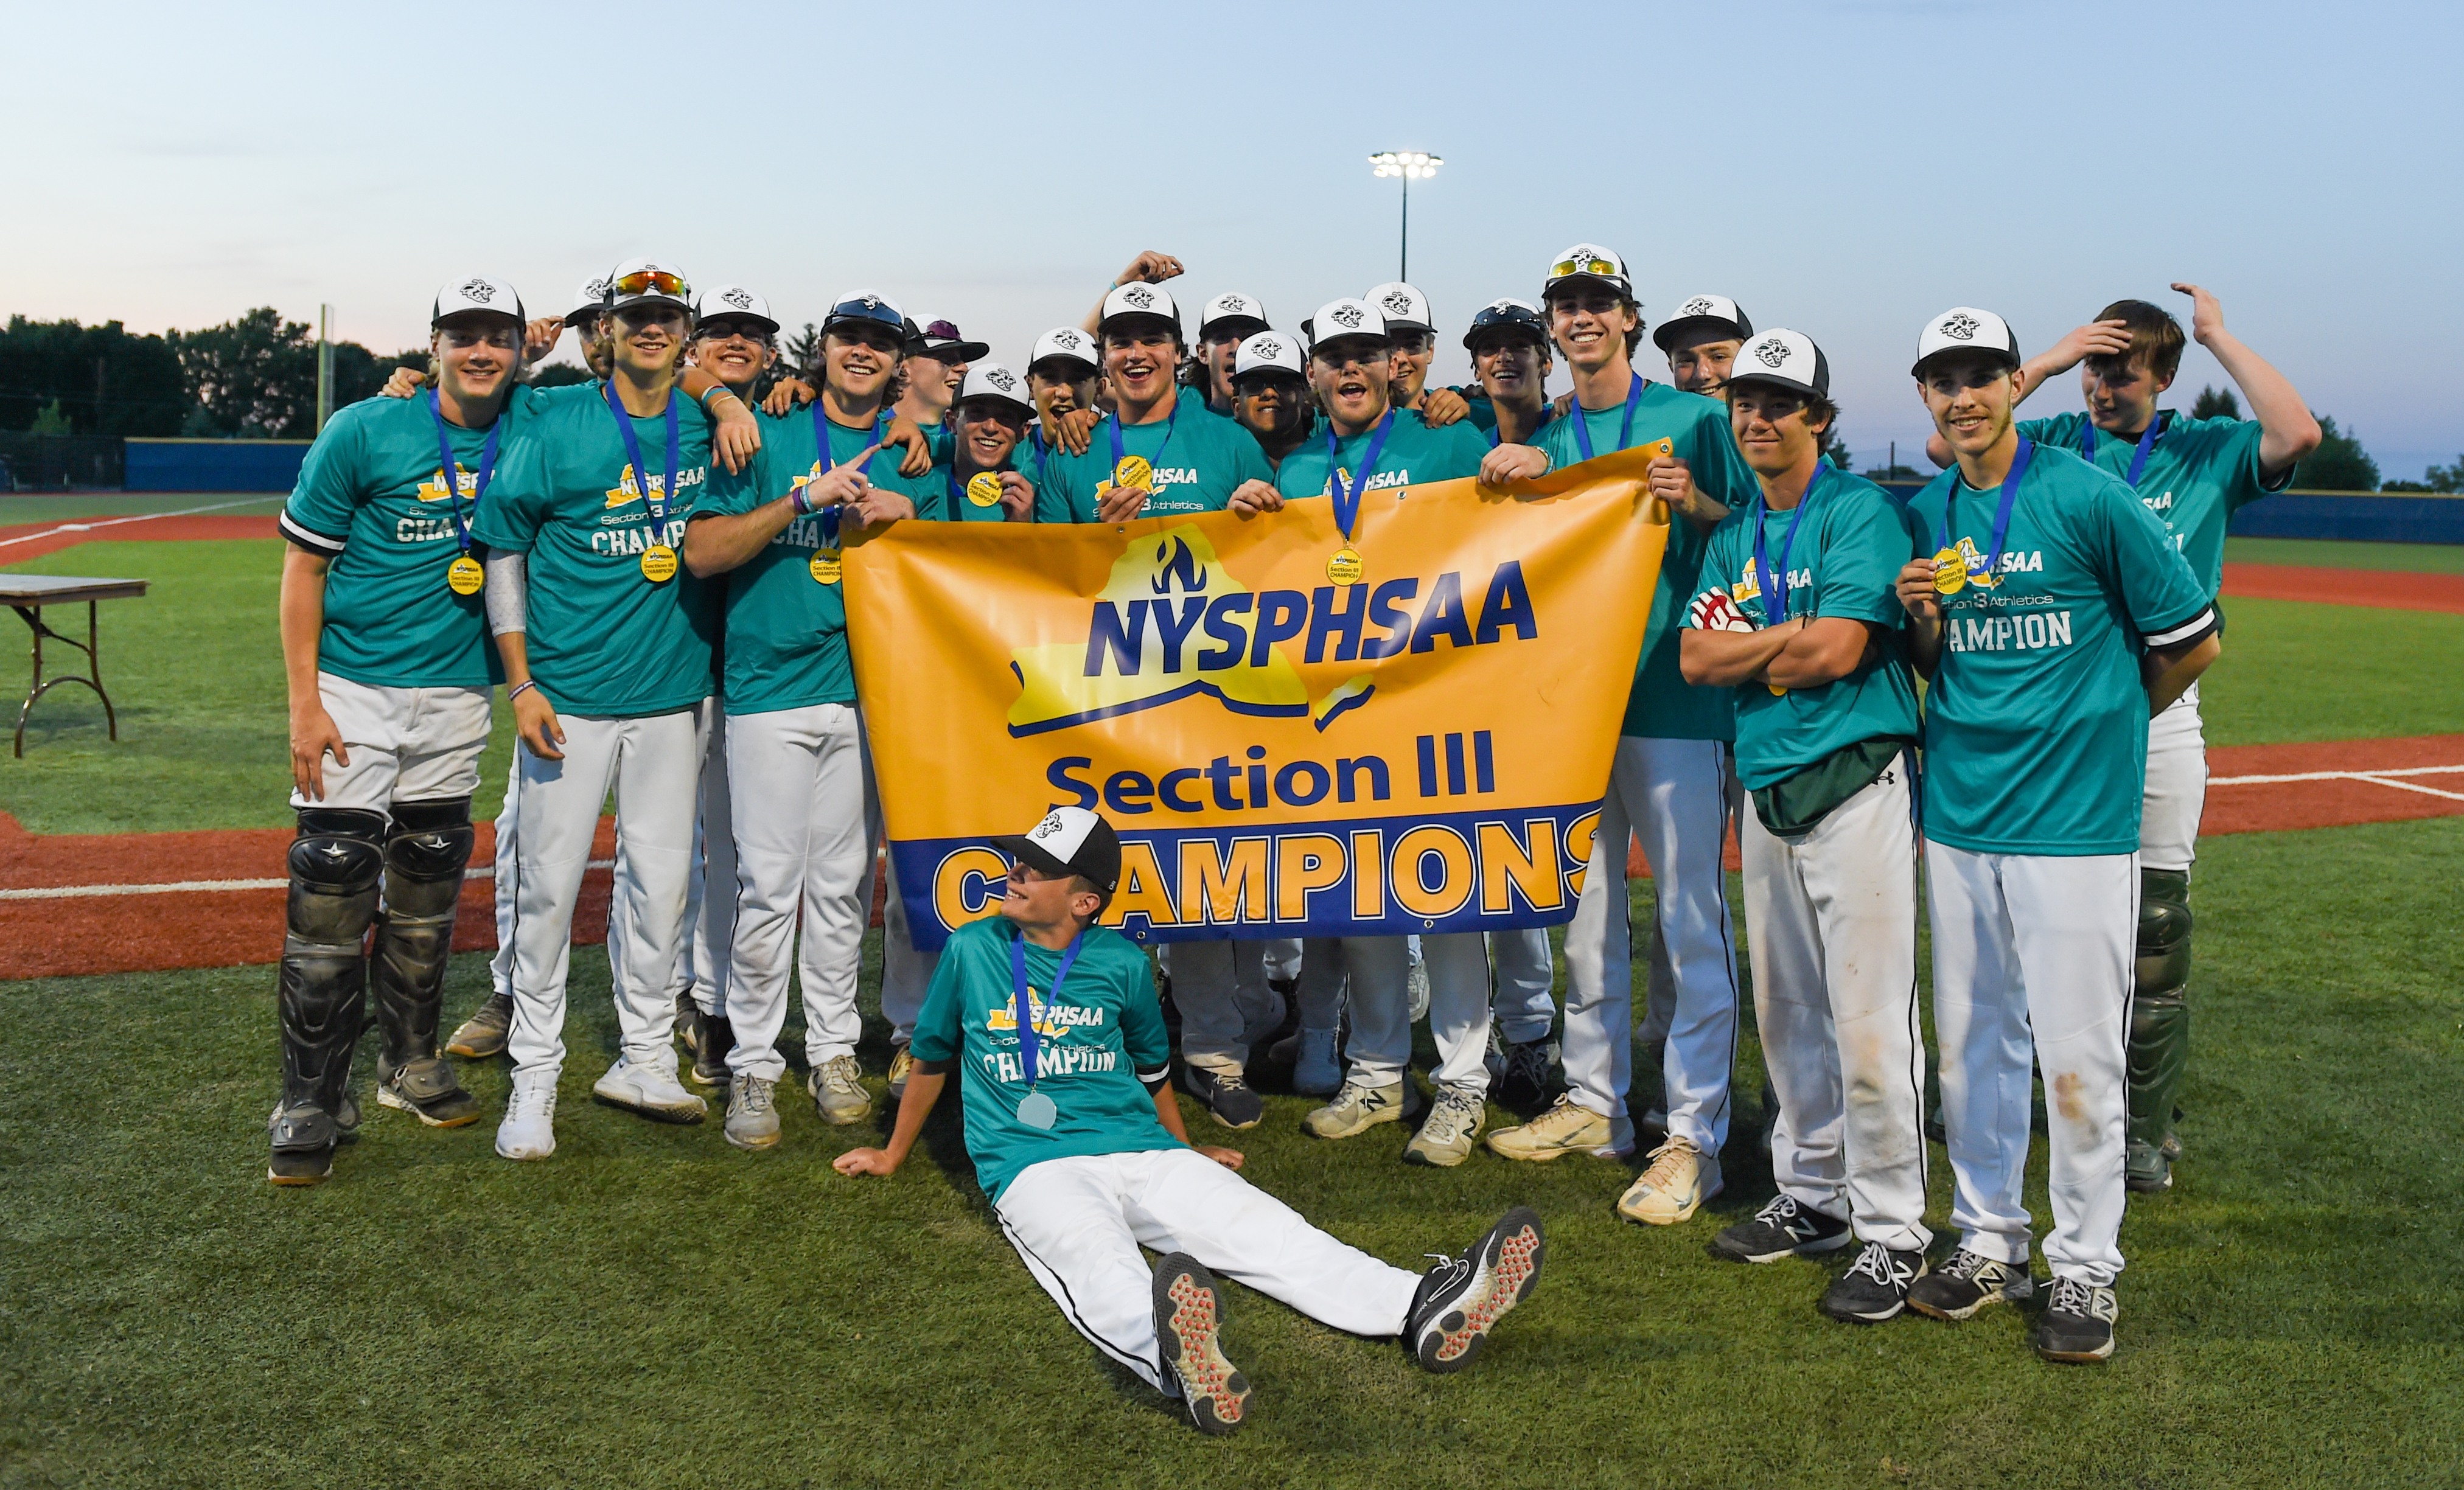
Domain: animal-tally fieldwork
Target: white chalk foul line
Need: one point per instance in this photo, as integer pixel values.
(2391, 776)
(114, 522)
(192, 887)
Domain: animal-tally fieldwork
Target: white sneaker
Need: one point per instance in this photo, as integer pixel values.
(1316, 1072)
(751, 1114)
(839, 1094)
(651, 1090)
(529, 1128)
(1680, 1178)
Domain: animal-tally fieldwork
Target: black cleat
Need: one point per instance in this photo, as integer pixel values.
(1189, 1334)
(2077, 1327)
(428, 1089)
(1781, 1229)
(2146, 1167)
(302, 1143)
(1461, 1299)
(1970, 1283)
(1228, 1099)
(713, 1038)
(1875, 1288)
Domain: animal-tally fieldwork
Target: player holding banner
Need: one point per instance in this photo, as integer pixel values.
(1801, 618)
(384, 647)
(2054, 620)
(1054, 1028)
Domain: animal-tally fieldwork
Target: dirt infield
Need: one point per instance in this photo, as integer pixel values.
(144, 902)
(2383, 589)
(26, 540)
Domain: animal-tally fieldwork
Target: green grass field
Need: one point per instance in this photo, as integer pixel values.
(652, 1307)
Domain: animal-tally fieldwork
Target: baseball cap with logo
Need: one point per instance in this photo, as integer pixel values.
(993, 380)
(476, 293)
(940, 337)
(1068, 344)
(590, 299)
(733, 300)
(1507, 315)
(1232, 314)
(870, 308)
(1070, 840)
(1269, 351)
(1963, 328)
(643, 281)
(1786, 360)
(1716, 313)
(1404, 308)
(1346, 318)
(1138, 300)
(1587, 261)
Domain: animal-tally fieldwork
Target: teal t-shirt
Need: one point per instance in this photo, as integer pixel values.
(1414, 454)
(603, 638)
(787, 643)
(2035, 726)
(1198, 458)
(372, 499)
(1099, 1041)
(1845, 550)
(949, 502)
(2199, 473)
(1663, 705)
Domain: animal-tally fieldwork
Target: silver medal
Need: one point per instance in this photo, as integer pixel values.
(1038, 1111)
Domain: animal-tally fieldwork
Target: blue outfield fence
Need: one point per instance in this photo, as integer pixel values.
(214, 465)
(2362, 517)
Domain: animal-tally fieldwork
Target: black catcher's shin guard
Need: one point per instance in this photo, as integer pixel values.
(336, 862)
(425, 852)
(2160, 1022)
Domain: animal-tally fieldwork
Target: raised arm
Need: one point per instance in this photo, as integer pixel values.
(2287, 430)
(1148, 268)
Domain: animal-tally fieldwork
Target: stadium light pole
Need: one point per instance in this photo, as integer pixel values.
(1411, 165)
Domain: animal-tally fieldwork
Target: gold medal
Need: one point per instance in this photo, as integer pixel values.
(658, 564)
(825, 566)
(1949, 572)
(1132, 470)
(984, 489)
(1343, 566)
(464, 576)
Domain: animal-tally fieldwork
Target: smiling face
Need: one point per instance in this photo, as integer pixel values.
(989, 429)
(1971, 396)
(1349, 374)
(2121, 392)
(1775, 433)
(734, 350)
(1407, 365)
(1512, 367)
(1593, 326)
(1270, 404)
(477, 353)
(649, 338)
(1139, 356)
(935, 378)
(1221, 352)
(857, 360)
(1061, 386)
(1702, 365)
(1037, 899)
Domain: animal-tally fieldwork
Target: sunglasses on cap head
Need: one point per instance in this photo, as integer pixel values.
(1592, 265)
(652, 280)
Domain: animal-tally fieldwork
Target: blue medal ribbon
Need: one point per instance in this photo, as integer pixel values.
(1775, 587)
(829, 515)
(1347, 504)
(1548, 414)
(1035, 442)
(2139, 459)
(1171, 421)
(656, 505)
(2001, 514)
(452, 475)
(1625, 430)
(1019, 1000)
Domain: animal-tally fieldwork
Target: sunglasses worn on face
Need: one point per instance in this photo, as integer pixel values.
(650, 280)
(732, 330)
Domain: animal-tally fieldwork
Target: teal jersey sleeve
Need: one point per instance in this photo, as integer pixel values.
(2198, 474)
(509, 518)
(1866, 541)
(939, 1031)
(323, 505)
(2158, 593)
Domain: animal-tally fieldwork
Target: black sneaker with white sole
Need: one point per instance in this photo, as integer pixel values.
(1228, 1099)
(1969, 1283)
(1876, 1286)
(1781, 1229)
(1189, 1335)
(2077, 1326)
(1462, 1298)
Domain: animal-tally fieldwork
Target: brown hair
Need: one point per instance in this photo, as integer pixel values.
(2155, 336)
(1819, 410)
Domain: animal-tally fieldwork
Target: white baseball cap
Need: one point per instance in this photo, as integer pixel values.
(1587, 261)
(1404, 308)
(590, 299)
(993, 380)
(476, 293)
(1963, 328)
(1068, 344)
(1785, 359)
(1236, 308)
(1345, 317)
(655, 284)
(1703, 313)
(733, 300)
(1139, 298)
(1070, 840)
(1275, 350)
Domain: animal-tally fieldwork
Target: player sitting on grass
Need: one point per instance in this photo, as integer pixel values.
(1077, 1137)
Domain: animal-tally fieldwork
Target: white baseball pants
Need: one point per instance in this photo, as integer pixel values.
(1671, 795)
(2029, 944)
(2177, 786)
(800, 842)
(1832, 918)
(1078, 1224)
(407, 744)
(653, 761)
(1379, 970)
(710, 918)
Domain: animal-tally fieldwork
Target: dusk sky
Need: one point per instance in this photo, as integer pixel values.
(1845, 169)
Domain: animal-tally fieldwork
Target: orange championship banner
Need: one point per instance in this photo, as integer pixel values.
(1294, 736)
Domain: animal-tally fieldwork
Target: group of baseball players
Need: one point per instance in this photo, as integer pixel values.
(1996, 678)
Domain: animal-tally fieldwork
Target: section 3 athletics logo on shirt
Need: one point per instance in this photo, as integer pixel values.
(1172, 621)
